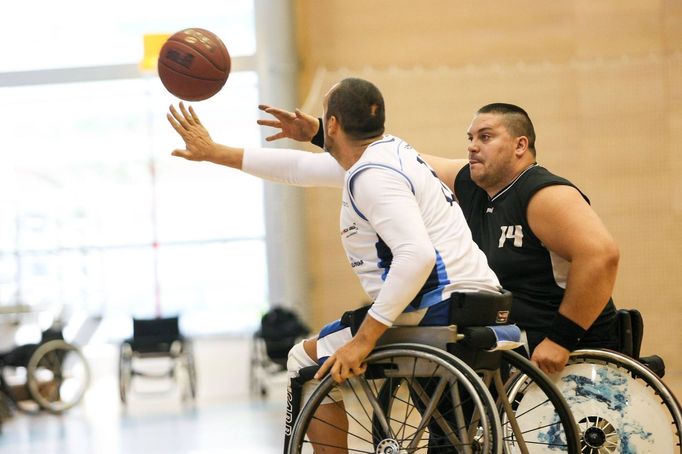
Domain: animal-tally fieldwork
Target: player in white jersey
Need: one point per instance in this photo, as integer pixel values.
(404, 236)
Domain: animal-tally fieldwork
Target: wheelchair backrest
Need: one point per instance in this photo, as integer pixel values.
(157, 328)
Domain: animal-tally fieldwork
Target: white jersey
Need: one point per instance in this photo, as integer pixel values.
(405, 237)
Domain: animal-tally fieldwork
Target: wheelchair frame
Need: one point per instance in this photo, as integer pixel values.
(157, 338)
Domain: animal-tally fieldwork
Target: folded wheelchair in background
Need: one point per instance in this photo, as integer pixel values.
(153, 339)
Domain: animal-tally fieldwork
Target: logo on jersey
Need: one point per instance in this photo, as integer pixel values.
(511, 232)
(350, 230)
(354, 263)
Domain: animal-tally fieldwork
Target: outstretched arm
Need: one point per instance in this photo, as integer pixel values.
(280, 165)
(569, 227)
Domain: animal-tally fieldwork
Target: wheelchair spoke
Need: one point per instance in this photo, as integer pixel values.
(341, 429)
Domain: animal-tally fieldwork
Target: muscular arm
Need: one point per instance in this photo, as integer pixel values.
(569, 227)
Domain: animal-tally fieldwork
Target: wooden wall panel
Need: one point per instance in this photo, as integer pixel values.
(602, 82)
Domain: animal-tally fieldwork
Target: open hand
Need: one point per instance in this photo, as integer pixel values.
(295, 125)
(198, 142)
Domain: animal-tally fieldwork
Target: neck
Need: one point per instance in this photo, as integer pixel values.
(349, 152)
(494, 190)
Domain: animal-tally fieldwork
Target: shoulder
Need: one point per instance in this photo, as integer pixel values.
(538, 178)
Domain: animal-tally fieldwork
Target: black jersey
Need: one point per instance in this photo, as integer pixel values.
(535, 276)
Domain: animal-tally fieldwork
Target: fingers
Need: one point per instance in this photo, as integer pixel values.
(324, 368)
(180, 122)
(174, 123)
(271, 123)
(282, 115)
(194, 115)
(182, 154)
(186, 114)
(279, 135)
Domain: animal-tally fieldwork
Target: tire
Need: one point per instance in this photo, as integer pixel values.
(57, 376)
(378, 424)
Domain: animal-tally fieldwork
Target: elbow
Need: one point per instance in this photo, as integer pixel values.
(425, 259)
(605, 258)
(611, 256)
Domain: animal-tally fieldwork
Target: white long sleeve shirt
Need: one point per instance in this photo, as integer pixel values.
(405, 238)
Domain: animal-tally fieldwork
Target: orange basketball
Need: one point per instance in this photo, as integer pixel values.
(194, 64)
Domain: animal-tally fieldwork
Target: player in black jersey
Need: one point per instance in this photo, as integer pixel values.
(541, 237)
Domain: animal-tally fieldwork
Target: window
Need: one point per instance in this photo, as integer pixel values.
(97, 215)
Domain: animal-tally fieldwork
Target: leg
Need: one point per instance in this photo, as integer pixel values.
(329, 426)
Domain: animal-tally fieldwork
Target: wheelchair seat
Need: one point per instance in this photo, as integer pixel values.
(157, 338)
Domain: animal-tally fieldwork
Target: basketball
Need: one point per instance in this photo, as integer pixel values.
(194, 64)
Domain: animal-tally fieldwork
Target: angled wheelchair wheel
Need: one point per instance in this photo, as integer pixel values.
(57, 376)
(620, 405)
(189, 369)
(545, 422)
(125, 371)
(410, 399)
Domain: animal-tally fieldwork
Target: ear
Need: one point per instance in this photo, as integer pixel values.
(521, 146)
(332, 125)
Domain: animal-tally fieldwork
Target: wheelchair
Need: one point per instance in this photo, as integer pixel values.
(52, 375)
(617, 398)
(419, 394)
(157, 338)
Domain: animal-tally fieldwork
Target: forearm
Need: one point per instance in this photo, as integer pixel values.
(294, 167)
(370, 331)
(227, 156)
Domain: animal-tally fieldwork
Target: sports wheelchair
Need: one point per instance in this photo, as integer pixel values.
(52, 374)
(425, 395)
(421, 394)
(157, 338)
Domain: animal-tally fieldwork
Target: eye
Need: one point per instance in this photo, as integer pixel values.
(485, 137)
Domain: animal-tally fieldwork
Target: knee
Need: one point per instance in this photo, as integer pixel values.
(298, 358)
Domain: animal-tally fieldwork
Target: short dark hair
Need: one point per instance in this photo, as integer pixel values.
(516, 120)
(359, 107)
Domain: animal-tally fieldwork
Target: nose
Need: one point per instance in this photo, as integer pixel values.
(472, 147)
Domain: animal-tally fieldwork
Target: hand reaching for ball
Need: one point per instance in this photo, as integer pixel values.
(198, 142)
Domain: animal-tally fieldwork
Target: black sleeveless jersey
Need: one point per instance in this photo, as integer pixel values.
(535, 276)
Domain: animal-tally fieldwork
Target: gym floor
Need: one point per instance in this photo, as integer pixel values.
(225, 418)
